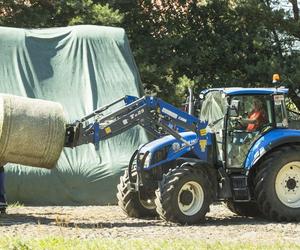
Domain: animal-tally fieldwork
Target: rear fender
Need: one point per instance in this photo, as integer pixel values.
(269, 141)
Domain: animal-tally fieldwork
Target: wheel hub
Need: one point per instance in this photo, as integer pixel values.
(287, 184)
(186, 197)
(190, 198)
(291, 184)
(148, 203)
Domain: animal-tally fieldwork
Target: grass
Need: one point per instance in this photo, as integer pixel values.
(15, 205)
(139, 244)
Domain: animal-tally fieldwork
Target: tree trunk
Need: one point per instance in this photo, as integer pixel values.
(295, 9)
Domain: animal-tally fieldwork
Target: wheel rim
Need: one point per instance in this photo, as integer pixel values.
(190, 198)
(148, 204)
(287, 184)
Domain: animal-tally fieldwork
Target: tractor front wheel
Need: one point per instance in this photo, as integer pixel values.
(184, 195)
(277, 185)
(130, 202)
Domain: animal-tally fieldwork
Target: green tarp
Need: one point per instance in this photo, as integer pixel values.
(81, 67)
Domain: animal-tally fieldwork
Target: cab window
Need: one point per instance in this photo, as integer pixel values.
(280, 111)
(245, 125)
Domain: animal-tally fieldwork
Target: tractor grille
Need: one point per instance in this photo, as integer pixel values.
(160, 155)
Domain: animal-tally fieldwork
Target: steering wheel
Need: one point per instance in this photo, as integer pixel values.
(236, 122)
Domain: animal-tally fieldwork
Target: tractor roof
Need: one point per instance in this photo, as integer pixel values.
(249, 91)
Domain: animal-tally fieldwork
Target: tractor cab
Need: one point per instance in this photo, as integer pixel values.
(237, 117)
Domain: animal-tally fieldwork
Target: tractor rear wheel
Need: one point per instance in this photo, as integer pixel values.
(247, 209)
(130, 202)
(184, 195)
(277, 185)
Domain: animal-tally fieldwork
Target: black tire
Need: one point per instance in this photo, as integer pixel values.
(129, 200)
(247, 209)
(278, 166)
(170, 188)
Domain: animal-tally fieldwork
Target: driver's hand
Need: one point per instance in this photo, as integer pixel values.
(237, 118)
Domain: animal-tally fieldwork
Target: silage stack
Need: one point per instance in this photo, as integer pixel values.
(32, 131)
(82, 68)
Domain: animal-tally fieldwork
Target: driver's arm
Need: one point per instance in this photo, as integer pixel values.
(245, 121)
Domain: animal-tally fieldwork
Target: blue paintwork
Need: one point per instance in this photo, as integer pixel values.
(167, 141)
(96, 135)
(169, 114)
(248, 91)
(267, 141)
(259, 148)
(130, 99)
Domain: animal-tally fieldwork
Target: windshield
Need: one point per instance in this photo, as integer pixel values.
(213, 109)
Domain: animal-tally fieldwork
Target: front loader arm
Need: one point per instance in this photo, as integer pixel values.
(156, 116)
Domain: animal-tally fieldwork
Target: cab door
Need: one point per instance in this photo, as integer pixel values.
(245, 124)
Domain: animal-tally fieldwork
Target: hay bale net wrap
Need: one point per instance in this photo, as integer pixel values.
(82, 68)
(32, 131)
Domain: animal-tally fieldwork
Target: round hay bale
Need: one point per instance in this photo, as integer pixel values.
(32, 131)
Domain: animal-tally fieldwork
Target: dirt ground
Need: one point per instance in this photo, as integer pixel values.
(91, 222)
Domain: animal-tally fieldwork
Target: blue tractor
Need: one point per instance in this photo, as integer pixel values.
(238, 149)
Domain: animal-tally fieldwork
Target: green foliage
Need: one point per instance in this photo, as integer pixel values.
(212, 42)
(209, 42)
(15, 205)
(181, 91)
(39, 13)
(97, 14)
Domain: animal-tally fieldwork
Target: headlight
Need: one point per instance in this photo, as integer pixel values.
(147, 161)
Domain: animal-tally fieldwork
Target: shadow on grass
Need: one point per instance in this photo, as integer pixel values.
(236, 220)
(15, 219)
(61, 221)
(18, 219)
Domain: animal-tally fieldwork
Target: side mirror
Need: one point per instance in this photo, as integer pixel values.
(234, 109)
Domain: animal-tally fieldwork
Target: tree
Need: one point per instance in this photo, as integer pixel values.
(208, 42)
(295, 9)
(295, 74)
(212, 42)
(54, 13)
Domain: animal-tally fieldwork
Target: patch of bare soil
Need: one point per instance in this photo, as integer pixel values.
(92, 222)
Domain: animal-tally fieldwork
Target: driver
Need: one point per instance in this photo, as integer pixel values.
(256, 118)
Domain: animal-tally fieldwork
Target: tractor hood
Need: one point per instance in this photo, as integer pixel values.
(166, 141)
